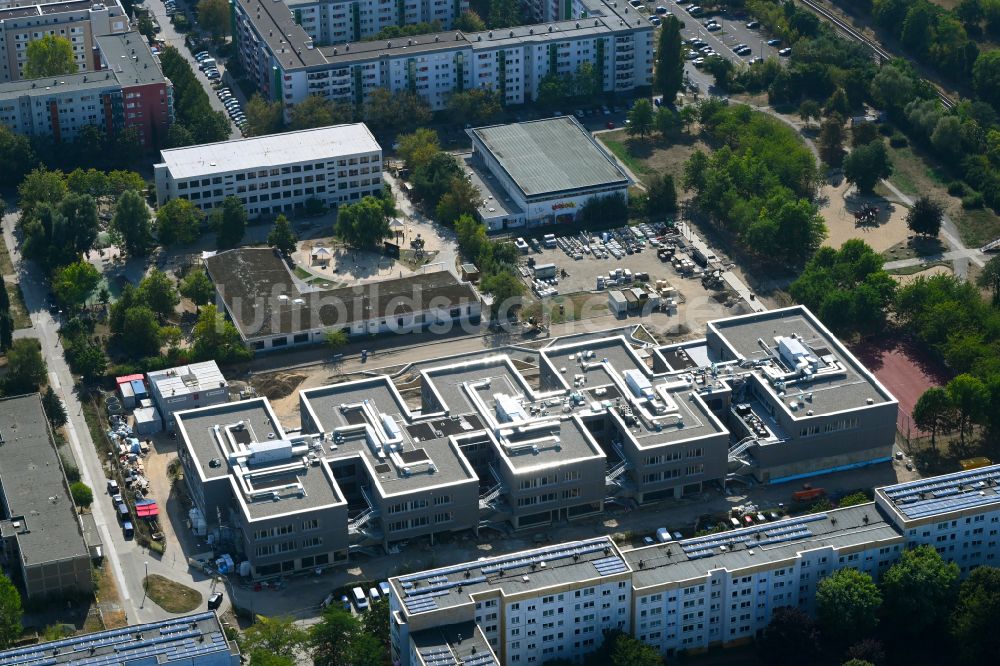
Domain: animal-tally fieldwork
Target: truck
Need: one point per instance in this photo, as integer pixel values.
(808, 494)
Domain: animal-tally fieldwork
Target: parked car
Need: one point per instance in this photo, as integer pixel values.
(128, 530)
(374, 594)
(385, 588)
(117, 499)
(785, 52)
(774, 42)
(122, 511)
(712, 27)
(360, 600)
(661, 10)
(753, 25)
(215, 600)
(655, 20)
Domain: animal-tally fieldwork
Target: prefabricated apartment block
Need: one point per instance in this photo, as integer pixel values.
(484, 446)
(291, 50)
(555, 602)
(277, 173)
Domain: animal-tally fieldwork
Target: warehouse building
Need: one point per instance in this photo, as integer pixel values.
(277, 173)
(79, 21)
(288, 61)
(126, 89)
(273, 309)
(189, 640)
(548, 170)
(681, 596)
(41, 537)
(186, 387)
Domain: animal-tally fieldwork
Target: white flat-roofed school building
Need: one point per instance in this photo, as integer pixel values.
(275, 173)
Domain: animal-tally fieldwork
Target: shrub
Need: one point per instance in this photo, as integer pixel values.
(957, 188)
(898, 140)
(972, 201)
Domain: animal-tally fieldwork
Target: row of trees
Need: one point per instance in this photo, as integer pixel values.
(383, 110)
(195, 120)
(758, 185)
(920, 608)
(338, 639)
(438, 180)
(840, 76)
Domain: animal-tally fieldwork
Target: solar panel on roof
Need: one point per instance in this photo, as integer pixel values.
(610, 565)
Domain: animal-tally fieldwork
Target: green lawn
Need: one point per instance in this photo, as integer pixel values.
(18, 311)
(978, 227)
(621, 151)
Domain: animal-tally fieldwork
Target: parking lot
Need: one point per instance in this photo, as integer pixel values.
(655, 256)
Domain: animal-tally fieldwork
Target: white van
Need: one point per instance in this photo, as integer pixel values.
(360, 600)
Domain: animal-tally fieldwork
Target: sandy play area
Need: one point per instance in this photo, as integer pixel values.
(840, 201)
(933, 270)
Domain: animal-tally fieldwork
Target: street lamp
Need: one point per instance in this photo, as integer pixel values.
(145, 583)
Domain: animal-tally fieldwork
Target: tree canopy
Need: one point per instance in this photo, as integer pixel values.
(230, 223)
(130, 225)
(363, 224)
(26, 368)
(847, 604)
(281, 236)
(791, 637)
(668, 75)
(972, 622)
(866, 165)
(10, 613)
(178, 222)
(919, 591)
(49, 55)
(925, 217)
(847, 288)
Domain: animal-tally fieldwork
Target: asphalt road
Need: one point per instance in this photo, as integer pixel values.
(176, 39)
(129, 562)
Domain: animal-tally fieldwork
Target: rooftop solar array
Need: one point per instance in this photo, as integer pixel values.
(610, 565)
(943, 494)
(438, 656)
(179, 639)
(759, 535)
(421, 590)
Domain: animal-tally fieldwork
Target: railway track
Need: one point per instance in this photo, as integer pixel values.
(850, 32)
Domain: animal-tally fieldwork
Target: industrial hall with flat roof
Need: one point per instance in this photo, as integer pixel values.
(517, 439)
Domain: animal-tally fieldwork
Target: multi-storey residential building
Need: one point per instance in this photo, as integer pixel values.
(272, 309)
(275, 173)
(79, 21)
(41, 536)
(540, 172)
(486, 446)
(722, 589)
(286, 63)
(342, 21)
(127, 91)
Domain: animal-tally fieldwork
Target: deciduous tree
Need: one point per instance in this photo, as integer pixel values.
(230, 223)
(265, 117)
(866, 165)
(919, 592)
(49, 55)
(159, 293)
(130, 225)
(971, 398)
(197, 287)
(83, 496)
(791, 637)
(640, 118)
(26, 368)
(281, 236)
(178, 222)
(925, 217)
(363, 224)
(975, 614)
(213, 15)
(215, 337)
(847, 604)
(10, 613)
(73, 284)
